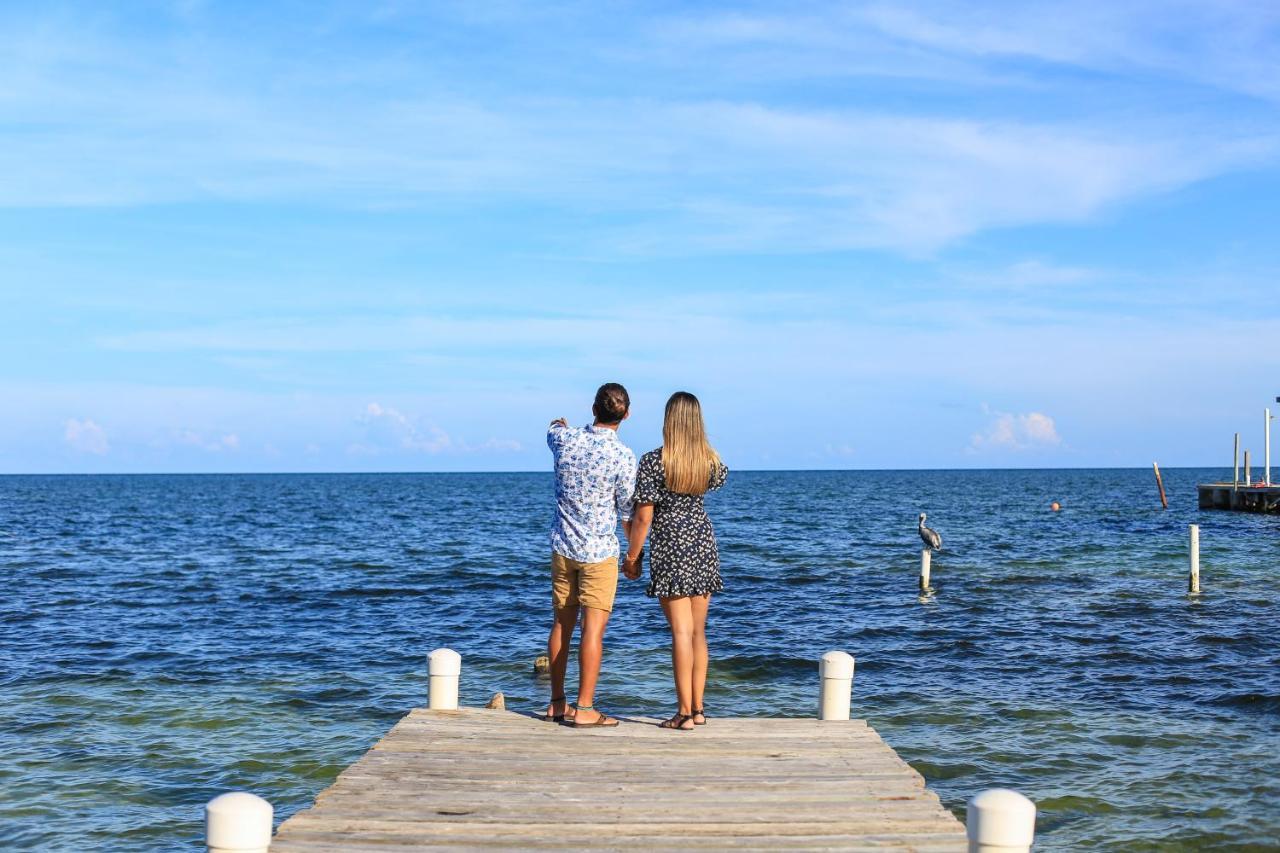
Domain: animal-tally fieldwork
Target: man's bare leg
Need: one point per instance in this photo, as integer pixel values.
(558, 645)
(590, 652)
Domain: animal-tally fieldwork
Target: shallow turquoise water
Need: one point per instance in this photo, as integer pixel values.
(167, 638)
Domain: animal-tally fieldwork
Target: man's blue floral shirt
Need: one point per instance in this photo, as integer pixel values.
(595, 477)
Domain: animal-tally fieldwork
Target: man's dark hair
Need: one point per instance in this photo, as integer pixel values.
(612, 403)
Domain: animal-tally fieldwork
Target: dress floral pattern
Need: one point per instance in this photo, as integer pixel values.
(595, 476)
(683, 559)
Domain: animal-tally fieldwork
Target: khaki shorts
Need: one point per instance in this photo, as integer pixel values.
(587, 584)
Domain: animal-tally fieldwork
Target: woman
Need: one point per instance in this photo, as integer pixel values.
(684, 568)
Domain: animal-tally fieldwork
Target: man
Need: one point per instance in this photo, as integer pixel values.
(595, 476)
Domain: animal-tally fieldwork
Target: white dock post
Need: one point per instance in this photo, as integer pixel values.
(1193, 585)
(1235, 462)
(1248, 470)
(835, 671)
(1001, 821)
(1266, 451)
(926, 560)
(239, 822)
(444, 666)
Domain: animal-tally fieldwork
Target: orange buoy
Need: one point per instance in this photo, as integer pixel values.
(1055, 506)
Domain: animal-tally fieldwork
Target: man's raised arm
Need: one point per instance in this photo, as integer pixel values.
(555, 433)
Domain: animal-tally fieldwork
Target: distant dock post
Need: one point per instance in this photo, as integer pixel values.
(237, 822)
(1248, 470)
(1164, 501)
(1235, 463)
(1193, 584)
(835, 671)
(1001, 821)
(444, 666)
(1266, 449)
(926, 560)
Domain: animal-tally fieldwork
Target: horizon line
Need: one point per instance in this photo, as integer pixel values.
(550, 471)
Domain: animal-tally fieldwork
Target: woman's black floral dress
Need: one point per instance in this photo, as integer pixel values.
(682, 546)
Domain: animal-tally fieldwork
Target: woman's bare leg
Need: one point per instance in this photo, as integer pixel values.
(698, 606)
(680, 617)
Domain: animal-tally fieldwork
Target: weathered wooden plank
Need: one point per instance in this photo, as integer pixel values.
(632, 765)
(330, 843)
(651, 793)
(399, 829)
(585, 810)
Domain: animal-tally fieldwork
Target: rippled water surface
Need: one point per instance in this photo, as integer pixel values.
(167, 638)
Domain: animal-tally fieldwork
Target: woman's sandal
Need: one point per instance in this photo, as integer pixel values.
(603, 722)
(557, 718)
(698, 713)
(677, 722)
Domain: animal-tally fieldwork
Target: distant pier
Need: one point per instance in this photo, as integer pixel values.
(1240, 497)
(1245, 495)
(479, 778)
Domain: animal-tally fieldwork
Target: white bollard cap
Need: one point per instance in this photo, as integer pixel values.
(238, 821)
(836, 665)
(444, 662)
(999, 817)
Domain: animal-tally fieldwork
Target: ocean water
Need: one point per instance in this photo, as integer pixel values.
(167, 638)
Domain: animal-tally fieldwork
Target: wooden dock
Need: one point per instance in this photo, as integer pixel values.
(486, 778)
(1239, 497)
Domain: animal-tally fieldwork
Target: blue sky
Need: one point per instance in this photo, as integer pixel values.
(399, 236)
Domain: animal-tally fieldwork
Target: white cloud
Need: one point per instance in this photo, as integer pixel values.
(208, 443)
(389, 428)
(1033, 430)
(86, 437)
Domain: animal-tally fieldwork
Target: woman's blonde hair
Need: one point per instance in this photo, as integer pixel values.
(688, 459)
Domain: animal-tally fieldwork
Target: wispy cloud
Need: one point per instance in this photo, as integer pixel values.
(1231, 45)
(110, 123)
(85, 436)
(388, 430)
(209, 443)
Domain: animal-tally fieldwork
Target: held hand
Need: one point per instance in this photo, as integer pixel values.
(560, 422)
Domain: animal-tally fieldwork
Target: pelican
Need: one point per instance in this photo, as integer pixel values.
(930, 537)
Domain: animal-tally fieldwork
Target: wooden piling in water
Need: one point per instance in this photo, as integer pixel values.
(1164, 501)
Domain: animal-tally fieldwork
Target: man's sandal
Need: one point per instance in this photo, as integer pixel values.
(557, 718)
(677, 722)
(604, 721)
(698, 713)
